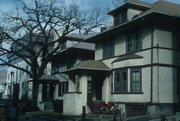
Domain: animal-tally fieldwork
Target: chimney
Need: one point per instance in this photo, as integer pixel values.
(103, 29)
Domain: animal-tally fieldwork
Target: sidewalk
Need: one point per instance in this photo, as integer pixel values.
(53, 116)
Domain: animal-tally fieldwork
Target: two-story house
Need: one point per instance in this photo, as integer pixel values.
(136, 62)
(71, 53)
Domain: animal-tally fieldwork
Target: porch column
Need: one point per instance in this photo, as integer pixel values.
(106, 89)
(83, 90)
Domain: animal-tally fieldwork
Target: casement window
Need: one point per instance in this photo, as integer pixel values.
(121, 82)
(63, 88)
(134, 41)
(136, 80)
(108, 49)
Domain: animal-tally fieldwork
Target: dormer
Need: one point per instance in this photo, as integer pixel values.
(128, 11)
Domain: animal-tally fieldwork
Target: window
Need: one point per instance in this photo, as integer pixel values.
(63, 88)
(176, 39)
(108, 49)
(120, 18)
(134, 41)
(135, 80)
(120, 84)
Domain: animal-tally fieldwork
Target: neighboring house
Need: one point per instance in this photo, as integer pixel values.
(15, 76)
(136, 62)
(71, 53)
(3, 75)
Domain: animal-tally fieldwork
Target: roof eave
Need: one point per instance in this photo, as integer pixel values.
(109, 31)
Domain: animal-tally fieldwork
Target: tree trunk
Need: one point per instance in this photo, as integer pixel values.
(35, 96)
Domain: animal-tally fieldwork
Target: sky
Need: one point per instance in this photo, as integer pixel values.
(10, 5)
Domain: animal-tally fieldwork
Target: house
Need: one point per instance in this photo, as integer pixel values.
(2, 81)
(71, 53)
(136, 62)
(15, 76)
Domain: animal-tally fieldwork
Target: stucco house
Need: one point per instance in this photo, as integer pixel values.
(136, 62)
(71, 53)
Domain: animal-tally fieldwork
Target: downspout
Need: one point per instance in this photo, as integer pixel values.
(152, 41)
(158, 71)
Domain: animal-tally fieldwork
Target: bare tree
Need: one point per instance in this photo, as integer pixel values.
(30, 32)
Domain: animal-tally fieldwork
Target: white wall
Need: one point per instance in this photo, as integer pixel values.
(73, 102)
(131, 13)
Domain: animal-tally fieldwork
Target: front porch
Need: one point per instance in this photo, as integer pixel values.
(91, 85)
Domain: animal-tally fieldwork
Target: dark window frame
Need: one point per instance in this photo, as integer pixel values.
(131, 80)
(121, 85)
(134, 41)
(108, 49)
(62, 88)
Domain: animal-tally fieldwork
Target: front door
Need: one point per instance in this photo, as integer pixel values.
(94, 89)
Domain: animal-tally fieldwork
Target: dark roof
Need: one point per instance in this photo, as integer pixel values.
(160, 8)
(48, 78)
(78, 37)
(136, 3)
(85, 45)
(164, 7)
(126, 57)
(3, 74)
(90, 65)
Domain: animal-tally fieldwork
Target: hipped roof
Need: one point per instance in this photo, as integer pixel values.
(136, 3)
(160, 8)
(90, 65)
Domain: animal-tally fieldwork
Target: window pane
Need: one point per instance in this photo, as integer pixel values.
(134, 41)
(135, 80)
(108, 49)
(120, 84)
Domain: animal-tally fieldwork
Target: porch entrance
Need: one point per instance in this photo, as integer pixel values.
(94, 88)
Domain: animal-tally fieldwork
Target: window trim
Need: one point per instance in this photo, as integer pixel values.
(107, 50)
(131, 70)
(132, 37)
(120, 71)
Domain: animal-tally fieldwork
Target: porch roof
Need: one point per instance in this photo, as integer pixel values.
(48, 79)
(90, 65)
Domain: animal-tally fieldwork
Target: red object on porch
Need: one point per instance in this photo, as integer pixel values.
(110, 104)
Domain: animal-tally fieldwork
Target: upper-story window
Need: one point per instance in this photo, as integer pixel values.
(176, 39)
(108, 49)
(120, 18)
(134, 41)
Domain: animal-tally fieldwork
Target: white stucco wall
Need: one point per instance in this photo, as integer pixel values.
(144, 97)
(106, 89)
(164, 85)
(73, 102)
(98, 51)
(131, 13)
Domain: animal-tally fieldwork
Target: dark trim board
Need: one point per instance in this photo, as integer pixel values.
(150, 65)
(114, 93)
